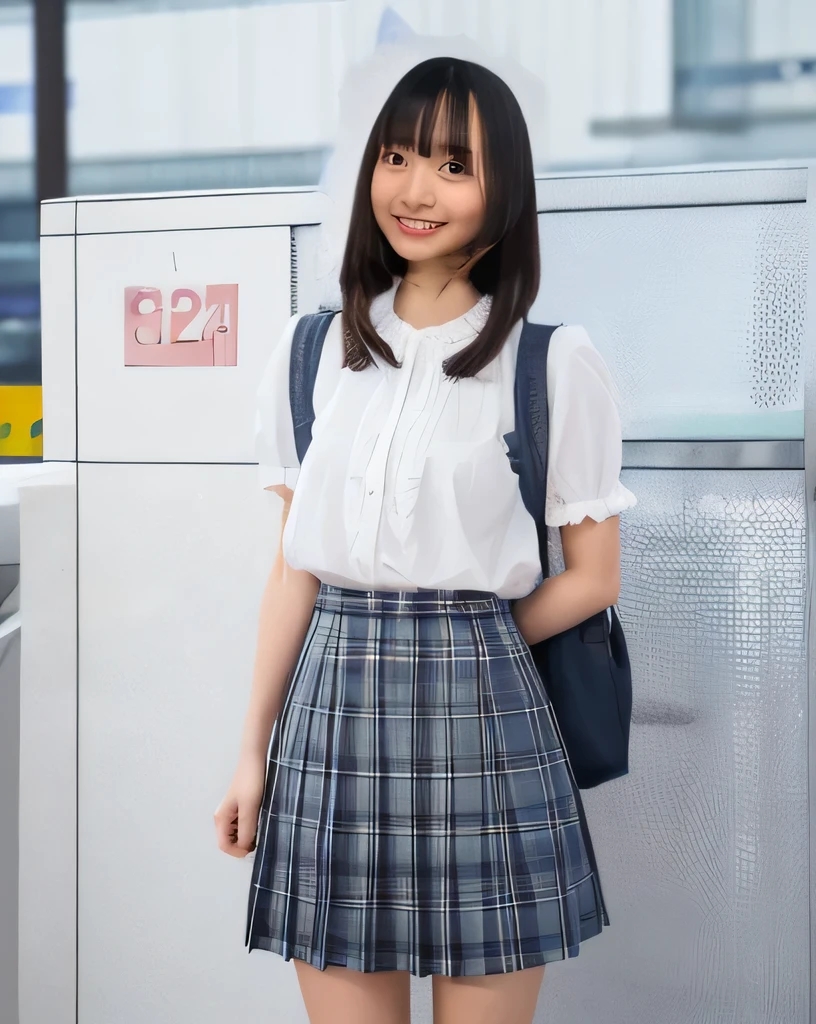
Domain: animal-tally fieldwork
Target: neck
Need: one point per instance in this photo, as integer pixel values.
(433, 278)
(428, 296)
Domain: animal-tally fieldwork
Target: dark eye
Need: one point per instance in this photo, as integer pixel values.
(456, 167)
(391, 153)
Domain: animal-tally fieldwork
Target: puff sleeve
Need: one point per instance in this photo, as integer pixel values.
(274, 435)
(585, 447)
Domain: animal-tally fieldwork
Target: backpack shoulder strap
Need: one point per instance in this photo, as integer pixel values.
(532, 425)
(304, 360)
(532, 415)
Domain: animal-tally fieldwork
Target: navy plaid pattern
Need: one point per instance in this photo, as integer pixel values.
(419, 811)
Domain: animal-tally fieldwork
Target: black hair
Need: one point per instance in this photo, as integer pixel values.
(509, 270)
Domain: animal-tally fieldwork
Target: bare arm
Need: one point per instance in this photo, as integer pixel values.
(589, 583)
(286, 610)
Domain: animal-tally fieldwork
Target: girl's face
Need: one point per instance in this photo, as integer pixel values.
(430, 207)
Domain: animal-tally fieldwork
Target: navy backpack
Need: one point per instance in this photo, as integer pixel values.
(585, 669)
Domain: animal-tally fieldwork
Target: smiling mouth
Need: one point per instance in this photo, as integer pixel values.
(420, 225)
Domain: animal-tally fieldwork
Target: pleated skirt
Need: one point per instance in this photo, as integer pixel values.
(419, 810)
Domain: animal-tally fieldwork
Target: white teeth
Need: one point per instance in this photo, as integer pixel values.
(417, 223)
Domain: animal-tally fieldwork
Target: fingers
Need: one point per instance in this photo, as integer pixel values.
(247, 827)
(232, 838)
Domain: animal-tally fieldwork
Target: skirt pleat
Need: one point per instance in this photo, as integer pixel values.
(419, 811)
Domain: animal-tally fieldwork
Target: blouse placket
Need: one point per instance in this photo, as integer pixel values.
(364, 545)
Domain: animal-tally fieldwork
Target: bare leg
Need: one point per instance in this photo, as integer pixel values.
(487, 999)
(341, 995)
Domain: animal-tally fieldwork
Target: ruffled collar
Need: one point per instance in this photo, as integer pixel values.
(463, 328)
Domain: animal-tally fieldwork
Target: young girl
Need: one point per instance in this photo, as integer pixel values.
(419, 814)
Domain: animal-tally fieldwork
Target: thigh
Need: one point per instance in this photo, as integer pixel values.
(341, 995)
(488, 998)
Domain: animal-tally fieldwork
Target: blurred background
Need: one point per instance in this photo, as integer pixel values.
(123, 96)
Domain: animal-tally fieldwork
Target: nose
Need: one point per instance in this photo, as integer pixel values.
(418, 193)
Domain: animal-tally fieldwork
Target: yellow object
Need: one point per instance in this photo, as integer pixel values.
(21, 420)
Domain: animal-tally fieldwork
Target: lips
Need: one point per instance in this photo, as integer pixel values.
(414, 226)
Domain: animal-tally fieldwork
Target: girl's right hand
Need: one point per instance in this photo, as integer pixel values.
(236, 818)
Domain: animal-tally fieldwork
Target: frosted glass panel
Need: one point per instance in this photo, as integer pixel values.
(703, 847)
(699, 311)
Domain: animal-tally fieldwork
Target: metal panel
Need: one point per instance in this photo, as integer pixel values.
(57, 217)
(172, 564)
(58, 334)
(720, 184)
(714, 454)
(196, 211)
(175, 413)
(48, 747)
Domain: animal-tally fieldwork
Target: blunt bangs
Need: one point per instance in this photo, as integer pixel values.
(414, 118)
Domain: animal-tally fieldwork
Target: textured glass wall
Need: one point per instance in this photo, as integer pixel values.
(703, 847)
(700, 309)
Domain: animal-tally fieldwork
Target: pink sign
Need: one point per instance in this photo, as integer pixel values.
(191, 331)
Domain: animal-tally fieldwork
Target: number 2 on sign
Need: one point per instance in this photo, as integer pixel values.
(187, 332)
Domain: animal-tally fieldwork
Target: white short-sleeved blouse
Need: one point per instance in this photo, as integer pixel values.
(407, 484)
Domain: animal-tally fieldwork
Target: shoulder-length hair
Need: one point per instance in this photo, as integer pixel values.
(509, 269)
